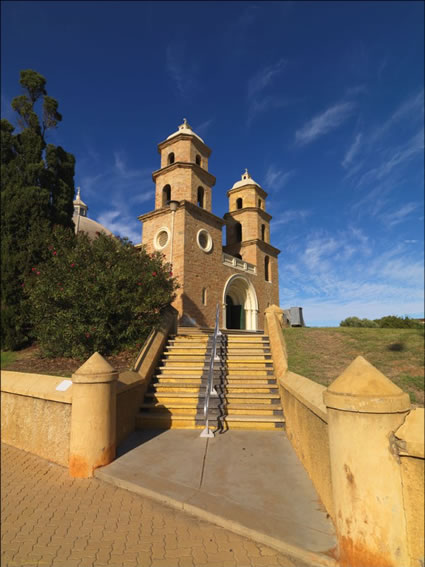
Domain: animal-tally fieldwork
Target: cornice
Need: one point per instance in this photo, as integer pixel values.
(190, 207)
(258, 189)
(257, 210)
(265, 246)
(203, 173)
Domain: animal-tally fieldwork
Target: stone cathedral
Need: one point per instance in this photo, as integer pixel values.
(242, 276)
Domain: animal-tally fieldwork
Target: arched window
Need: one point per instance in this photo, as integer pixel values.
(198, 159)
(166, 195)
(263, 232)
(170, 158)
(260, 204)
(239, 203)
(204, 296)
(201, 197)
(267, 269)
(238, 229)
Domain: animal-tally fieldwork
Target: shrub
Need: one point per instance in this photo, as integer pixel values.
(356, 322)
(394, 322)
(388, 322)
(101, 295)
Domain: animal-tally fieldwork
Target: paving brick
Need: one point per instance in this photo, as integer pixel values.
(114, 528)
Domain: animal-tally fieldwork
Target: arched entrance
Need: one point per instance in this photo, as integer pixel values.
(240, 305)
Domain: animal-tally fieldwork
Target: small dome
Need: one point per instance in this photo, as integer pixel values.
(185, 129)
(90, 226)
(246, 179)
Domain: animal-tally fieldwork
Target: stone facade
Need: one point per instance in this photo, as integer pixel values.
(242, 277)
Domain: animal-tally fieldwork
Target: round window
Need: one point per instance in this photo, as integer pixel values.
(161, 239)
(204, 240)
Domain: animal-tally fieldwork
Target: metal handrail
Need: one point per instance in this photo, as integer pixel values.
(210, 390)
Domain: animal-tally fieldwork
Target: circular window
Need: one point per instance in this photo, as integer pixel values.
(161, 239)
(204, 240)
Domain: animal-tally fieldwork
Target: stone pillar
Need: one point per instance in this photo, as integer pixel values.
(364, 409)
(93, 418)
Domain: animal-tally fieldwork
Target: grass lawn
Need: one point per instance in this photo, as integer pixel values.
(321, 354)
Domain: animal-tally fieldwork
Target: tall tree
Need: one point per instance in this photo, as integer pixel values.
(37, 190)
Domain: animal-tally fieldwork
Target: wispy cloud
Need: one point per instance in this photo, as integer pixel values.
(122, 168)
(352, 151)
(290, 216)
(203, 128)
(258, 101)
(121, 193)
(356, 90)
(181, 70)
(277, 178)
(400, 215)
(265, 77)
(411, 109)
(333, 275)
(395, 157)
(119, 224)
(323, 123)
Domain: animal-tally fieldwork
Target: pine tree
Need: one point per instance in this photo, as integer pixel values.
(37, 190)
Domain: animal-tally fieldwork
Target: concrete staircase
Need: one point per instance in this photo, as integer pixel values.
(248, 396)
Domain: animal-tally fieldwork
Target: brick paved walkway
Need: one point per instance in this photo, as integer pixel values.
(49, 519)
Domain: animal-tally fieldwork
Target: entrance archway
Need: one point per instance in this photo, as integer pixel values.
(240, 305)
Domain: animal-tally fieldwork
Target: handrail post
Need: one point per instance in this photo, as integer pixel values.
(210, 390)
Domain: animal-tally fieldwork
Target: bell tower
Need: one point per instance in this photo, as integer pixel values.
(248, 230)
(247, 220)
(184, 170)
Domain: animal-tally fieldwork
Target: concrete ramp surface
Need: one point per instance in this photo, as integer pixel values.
(250, 482)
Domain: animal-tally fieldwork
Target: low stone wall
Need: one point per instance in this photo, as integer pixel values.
(131, 389)
(410, 440)
(35, 416)
(62, 425)
(363, 447)
(307, 429)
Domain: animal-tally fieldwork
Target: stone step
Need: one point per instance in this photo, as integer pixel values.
(161, 379)
(167, 421)
(232, 397)
(176, 408)
(232, 362)
(229, 388)
(230, 373)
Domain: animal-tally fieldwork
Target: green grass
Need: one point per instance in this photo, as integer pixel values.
(321, 354)
(7, 357)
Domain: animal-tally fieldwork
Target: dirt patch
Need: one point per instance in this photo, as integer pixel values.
(30, 360)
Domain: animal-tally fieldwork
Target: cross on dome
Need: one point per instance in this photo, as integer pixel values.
(185, 125)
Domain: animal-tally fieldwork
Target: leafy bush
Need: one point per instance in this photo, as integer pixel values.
(356, 322)
(388, 322)
(101, 295)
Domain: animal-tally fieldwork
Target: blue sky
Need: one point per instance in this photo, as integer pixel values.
(323, 102)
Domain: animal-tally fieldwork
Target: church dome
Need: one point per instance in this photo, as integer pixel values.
(90, 226)
(185, 129)
(246, 179)
(83, 223)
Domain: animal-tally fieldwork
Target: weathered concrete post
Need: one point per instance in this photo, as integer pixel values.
(364, 409)
(93, 417)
